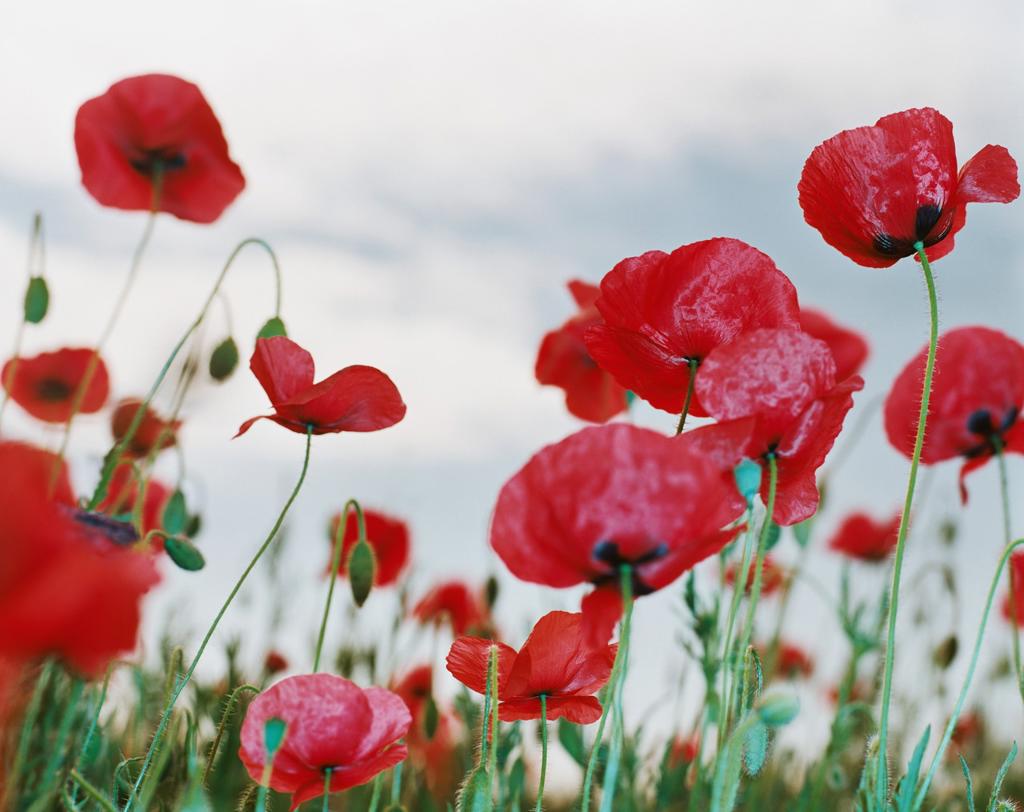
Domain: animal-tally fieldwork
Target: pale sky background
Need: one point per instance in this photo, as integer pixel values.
(431, 174)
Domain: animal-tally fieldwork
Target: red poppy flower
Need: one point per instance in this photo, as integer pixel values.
(69, 587)
(332, 724)
(610, 496)
(849, 349)
(684, 750)
(275, 663)
(969, 729)
(772, 576)
(564, 361)
(45, 385)
(123, 493)
(156, 126)
(153, 433)
(793, 661)
(358, 398)
(662, 311)
(977, 394)
(863, 538)
(774, 392)
(456, 604)
(557, 659)
(873, 192)
(389, 538)
(1017, 579)
(433, 754)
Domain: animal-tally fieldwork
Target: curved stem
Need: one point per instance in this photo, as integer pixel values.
(620, 653)
(882, 777)
(339, 537)
(115, 454)
(222, 725)
(689, 395)
(184, 680)
(36, 261)
(273, 259)
(543, 750)
(94, 794)
(951, 725)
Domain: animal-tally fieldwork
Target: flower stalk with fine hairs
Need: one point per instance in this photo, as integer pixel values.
(882, 775)
(618, 671)
(184, 679)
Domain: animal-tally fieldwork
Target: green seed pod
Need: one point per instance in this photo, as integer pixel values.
(362, 567)
(182, 552)
(224, 359)
(273, 327)
(37, 300)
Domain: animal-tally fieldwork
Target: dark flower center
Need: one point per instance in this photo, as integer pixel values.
(608, 553)
(152, 162)
(119, 533)
(925, 221)
(54, 389)
(981, 424)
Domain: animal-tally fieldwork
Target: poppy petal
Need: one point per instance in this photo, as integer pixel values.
(602, 610)
(283, 368)
(580, 710)
(357, 398)
(989, 177)
(469, 659)
(391, 721)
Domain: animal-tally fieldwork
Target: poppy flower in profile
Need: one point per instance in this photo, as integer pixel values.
(862, 538)
(873, 192)
(388, 536)
(45, 385)
(456, 604)
(774, 392)
(606, 497)
(662, 311)
(153, 433)
(557, 659)
(331, 724)
(793, 661)
(977, 394)
(123, 492)
(433, 753)
(70, 586)
(849, 349)
(1017, 579)
(772, 576)
(563, 360)
(275, 662)
(153, 142)
(358, 398)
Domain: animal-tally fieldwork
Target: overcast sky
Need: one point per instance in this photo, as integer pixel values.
(431, 175)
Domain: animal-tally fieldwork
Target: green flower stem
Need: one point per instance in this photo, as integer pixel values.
(339, 537)
(492, 689)
(618, 720)
(378, 789)
(543, 751)
(115, 454)
(689, 396)
(183, 681)
(326, 804)
(485, 736)
(626, 588)
(882, 778)
(229, 706)
(951, 725)
(1004, 491)
(28, 727)
(36, 261)
(742, 577)
(94, 794)
(90, 731)
(747, 633)
(396, 784)
(53, 764)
